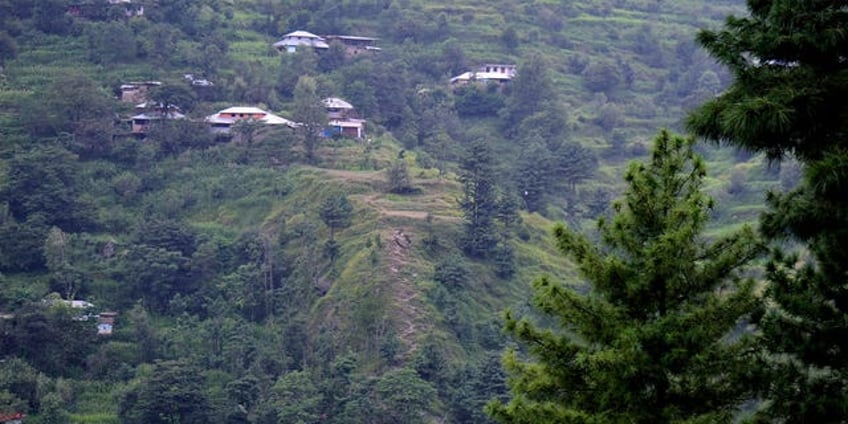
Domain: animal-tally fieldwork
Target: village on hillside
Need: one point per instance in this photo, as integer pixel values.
(342, 119)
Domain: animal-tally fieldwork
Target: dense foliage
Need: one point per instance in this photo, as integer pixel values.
(787, 99)
(648, 343)
(273, 274)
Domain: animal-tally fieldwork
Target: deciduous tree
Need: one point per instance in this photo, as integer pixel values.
(397, 177)
(110, 43)
(45, 181)
(530, 91)
(310, 113)
(171, 392)
(403, 397)
(602, 76)
(296, 398)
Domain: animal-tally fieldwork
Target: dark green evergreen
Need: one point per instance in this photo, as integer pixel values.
(788, 60)
(649, 340)
(479, 202)
(336, 212)
(210, 245)
(452, 272)
(545, 170)
(532, 175)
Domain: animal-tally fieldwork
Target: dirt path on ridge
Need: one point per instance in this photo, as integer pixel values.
(405, 294)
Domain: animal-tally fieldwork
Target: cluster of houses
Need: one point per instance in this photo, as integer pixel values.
(83, 312)
(341, 116)
(353, 44)
(489, 73)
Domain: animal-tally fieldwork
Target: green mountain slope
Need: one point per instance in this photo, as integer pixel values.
(230, 287)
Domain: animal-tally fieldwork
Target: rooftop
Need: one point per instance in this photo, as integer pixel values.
(158, 115)
(243, 109)
(267, 117)
(336, 103)
(302, 34)
(350, 123)
(350, 37)
(134, 84)
(482, 76)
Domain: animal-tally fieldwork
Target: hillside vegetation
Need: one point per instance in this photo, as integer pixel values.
(261, 279)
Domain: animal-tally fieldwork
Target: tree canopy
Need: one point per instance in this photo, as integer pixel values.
(787, 98)
(647, 341)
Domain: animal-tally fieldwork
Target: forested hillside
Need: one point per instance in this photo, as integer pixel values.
(296, 272)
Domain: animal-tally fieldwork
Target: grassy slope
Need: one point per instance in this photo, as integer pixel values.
(381, 288)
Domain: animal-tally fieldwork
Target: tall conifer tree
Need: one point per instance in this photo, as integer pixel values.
(479, 202)
(649, 342)
(789, 60)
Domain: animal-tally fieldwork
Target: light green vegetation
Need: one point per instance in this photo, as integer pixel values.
(256, 292)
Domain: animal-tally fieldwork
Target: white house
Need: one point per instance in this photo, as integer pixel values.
(300, 39)
(141, 123)
(496, 73)
(78, 304)
(106, 323)
(337, 108)
(342, 119)
(354, 128)
(223, 120)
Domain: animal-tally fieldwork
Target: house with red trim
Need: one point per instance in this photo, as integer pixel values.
(342, 119)
(12, 418)
(105, 323)
(354, 128)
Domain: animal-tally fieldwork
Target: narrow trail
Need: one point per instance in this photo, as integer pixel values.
(404, 292)
(405, 296)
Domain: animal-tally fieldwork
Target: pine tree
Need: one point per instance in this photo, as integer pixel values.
(480, 202)
(650, 340)
(336, 212)
(790, 73)
(532, 174)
